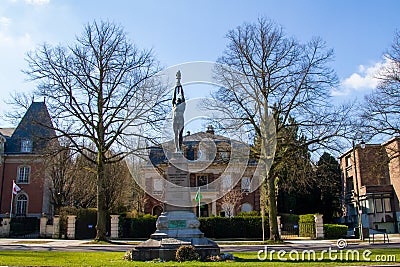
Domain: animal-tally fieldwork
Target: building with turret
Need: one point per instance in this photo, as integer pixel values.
(21, 161)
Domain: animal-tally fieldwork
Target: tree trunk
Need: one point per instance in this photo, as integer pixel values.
(273, 212)
(101, 211)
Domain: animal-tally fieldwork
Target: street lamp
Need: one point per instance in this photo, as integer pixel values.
(359, 208)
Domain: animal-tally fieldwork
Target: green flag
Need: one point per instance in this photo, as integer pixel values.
(198, 196)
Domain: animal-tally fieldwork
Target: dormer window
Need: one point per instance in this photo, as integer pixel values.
(26, 145)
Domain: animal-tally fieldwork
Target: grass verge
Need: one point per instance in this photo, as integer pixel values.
(46, 258)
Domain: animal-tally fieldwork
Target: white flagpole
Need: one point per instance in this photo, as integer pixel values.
(199, 201)
(12, 199)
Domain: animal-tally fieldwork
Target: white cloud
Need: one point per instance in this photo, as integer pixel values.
(364, 79)
(37, 2)
(4, 22)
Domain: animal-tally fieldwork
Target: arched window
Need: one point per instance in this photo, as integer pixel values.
(21, 205)
(247, 207)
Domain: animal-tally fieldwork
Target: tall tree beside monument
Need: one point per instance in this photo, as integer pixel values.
(267, 74)
(97, 88)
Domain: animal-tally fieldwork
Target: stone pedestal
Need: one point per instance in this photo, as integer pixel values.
(5, 227)
(114, 226)
(71, 219)
(43, 223)
(178, 225)
(56, 227)
(319, 226)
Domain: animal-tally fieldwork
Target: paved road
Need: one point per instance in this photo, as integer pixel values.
(79, 245)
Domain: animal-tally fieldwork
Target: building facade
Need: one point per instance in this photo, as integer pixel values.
(240, 198)
(21, 161)
(371, 186)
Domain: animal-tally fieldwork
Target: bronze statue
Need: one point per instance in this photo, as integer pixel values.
(178, 109)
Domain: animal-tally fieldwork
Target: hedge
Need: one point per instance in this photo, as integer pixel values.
(141, 227)
(212, 227)
(335, 231)
(24, 225)
(307, 225)
(235, 227)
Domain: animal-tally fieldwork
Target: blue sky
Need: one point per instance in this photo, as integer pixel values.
(183, 31)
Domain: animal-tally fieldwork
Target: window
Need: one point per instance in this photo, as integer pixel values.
(21, 205)
(157, 186)
(190, 153)
(23, 174)
(246, 184)
(386, 202)
(246, 207)
(229, 209)
(378, 205)
(349, 184)
(226, 182)
(348, 161)
(370, 206)
(26, 145)
(201, 180)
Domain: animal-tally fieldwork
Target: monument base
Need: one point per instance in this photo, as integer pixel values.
(178, 225)
(165, 249)
(175, 229)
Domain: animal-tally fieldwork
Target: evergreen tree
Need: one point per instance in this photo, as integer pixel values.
(330, 187)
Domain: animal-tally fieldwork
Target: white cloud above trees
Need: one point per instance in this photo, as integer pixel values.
(365, 79)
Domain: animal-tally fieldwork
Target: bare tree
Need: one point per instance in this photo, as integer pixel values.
(60, 170)
(84, 188)
(119, 186)
(267, 76)
(97, 89)
(230, 201)
(381, 109)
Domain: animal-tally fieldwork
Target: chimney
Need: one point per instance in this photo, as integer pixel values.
(187, 133)
(210, 129)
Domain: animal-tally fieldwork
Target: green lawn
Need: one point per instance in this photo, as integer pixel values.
(47, 258)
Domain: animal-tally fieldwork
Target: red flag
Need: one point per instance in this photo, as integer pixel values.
(15, 188)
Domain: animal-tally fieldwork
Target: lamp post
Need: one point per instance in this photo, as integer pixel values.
(358, 204)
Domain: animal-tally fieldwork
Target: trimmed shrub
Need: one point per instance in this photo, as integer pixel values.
(141, 227)
(307, 225)
(212, 227)
(235, 227)
(186, 253)
(335, 231)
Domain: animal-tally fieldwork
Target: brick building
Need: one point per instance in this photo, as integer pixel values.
(20, 160)
(210, 203)
(371, 185)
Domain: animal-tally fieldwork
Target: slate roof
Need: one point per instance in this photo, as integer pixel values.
(35, 125)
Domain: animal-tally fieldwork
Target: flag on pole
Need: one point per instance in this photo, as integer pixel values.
(15, 188)
(198, 196)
